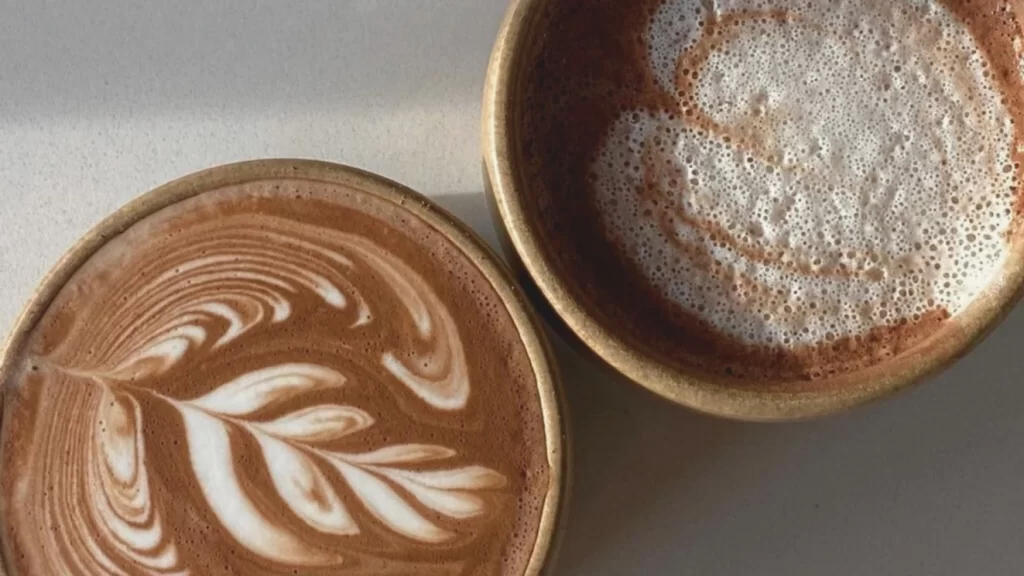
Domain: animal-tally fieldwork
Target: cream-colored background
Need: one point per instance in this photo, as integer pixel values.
(102, 100)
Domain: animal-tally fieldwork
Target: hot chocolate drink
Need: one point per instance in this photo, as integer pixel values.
(775, 191)
(284, 376)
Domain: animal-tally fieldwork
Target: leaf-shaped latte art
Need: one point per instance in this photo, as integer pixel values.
(263, 388)
(160, 354)
(403, 454)
(319, 423)
(439, 378)
(451, 503)
(466, 478)
(448, 491)
(99, 507)
(303, 486)
(126, 510)
(268, 426)
(210, 451)
(388, 506)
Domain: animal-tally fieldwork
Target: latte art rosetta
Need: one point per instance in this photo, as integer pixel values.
(240, 288)
(289, 378)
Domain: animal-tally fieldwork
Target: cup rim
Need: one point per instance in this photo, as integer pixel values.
(528, 326)
(952, 340)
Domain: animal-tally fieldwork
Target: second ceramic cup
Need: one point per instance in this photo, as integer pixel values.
(711, 231)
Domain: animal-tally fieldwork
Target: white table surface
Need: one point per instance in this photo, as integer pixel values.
(103, 100)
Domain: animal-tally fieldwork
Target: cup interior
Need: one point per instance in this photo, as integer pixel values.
(465, 240)
(529, 243)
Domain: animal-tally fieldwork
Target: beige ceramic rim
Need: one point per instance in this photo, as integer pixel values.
(537, 347)
(504, 182)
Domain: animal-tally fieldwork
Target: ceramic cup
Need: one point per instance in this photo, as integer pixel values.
(516, 215)
(367, 190)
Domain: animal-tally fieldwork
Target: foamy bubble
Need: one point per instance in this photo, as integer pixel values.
(837, 167)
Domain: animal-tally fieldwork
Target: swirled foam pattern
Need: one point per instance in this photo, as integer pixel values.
(819, 179)
(284, 377)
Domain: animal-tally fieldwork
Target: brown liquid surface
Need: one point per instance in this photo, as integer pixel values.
(285, 377)
(585, 68)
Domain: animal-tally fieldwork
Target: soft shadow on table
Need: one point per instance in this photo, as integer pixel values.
(927, 482)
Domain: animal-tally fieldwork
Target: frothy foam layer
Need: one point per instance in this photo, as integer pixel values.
(836, 168)
(276, 378)
(787, 175)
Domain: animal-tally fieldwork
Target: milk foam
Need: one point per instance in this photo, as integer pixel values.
(330, 383)
(837, 167)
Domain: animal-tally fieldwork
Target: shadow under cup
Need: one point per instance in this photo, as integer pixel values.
(517, 217)
(552, 450)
